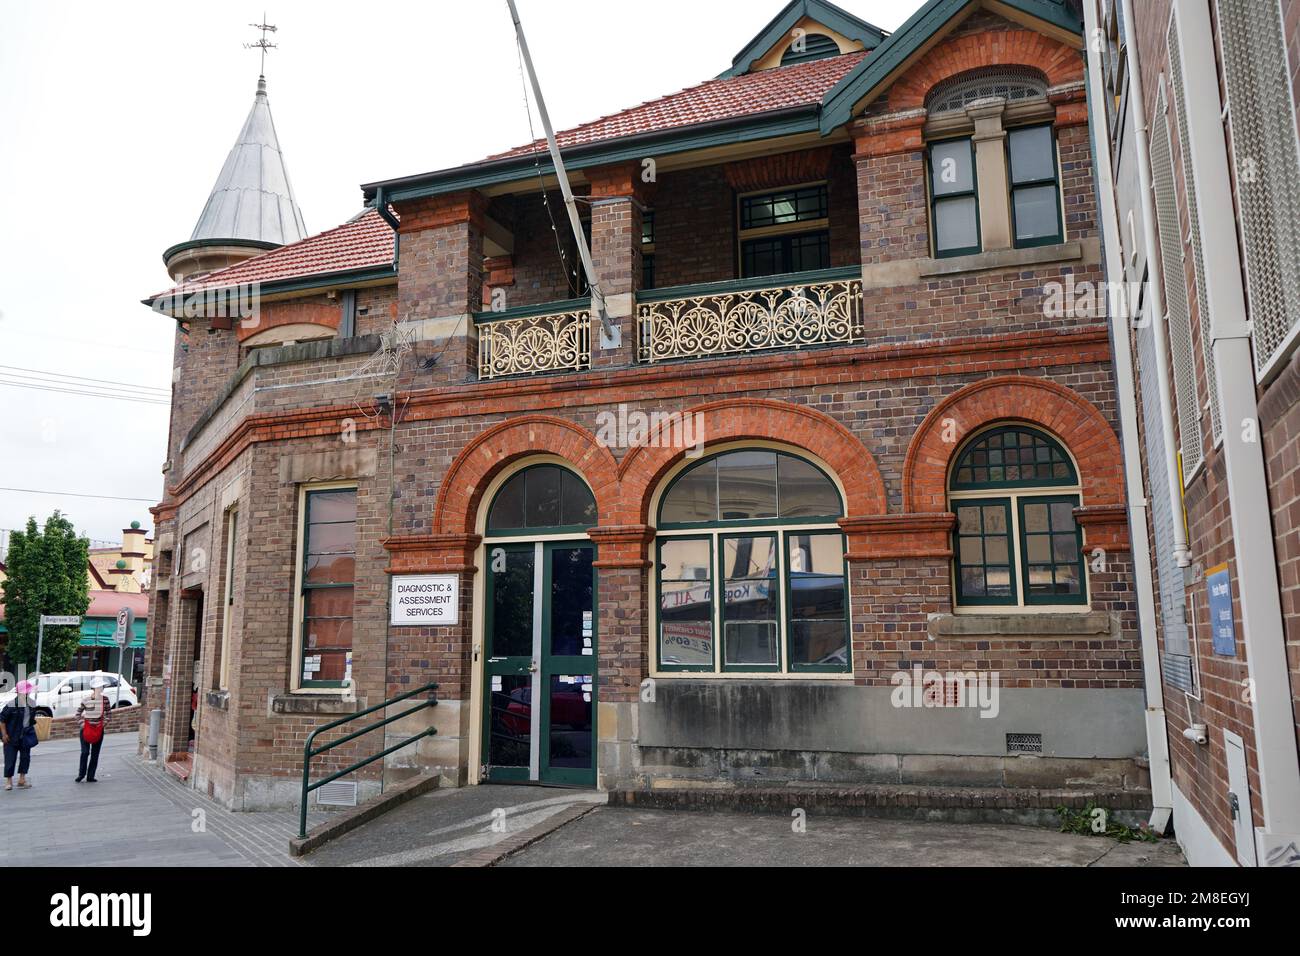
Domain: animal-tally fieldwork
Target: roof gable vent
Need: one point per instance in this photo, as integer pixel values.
(810, 46)
(1011, 83)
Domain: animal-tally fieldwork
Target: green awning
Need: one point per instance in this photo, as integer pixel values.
(98, 632)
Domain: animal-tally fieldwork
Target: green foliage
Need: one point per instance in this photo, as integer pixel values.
(1093, 820)
(46, 574)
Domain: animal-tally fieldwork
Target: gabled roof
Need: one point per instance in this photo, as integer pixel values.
(803, 84)
(778, 31)
(364, 242)
(799, 98)
(913, 36)
(252, 200)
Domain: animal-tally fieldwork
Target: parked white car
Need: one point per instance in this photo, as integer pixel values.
(57, 695)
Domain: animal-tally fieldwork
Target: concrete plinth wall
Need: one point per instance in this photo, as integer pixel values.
(753, 731)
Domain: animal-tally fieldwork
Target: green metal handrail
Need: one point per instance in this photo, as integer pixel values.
(308, 752)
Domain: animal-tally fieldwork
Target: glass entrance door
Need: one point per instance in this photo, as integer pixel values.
(540, 642)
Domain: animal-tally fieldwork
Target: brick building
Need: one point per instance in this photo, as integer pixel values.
(1202, 133)
(838, 444)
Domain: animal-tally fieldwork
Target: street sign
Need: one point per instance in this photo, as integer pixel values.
(55, 620)
(125, 625)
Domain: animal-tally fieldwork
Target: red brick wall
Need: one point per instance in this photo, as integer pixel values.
(924, 342)
(120, 720)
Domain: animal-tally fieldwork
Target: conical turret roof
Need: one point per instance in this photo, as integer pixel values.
(252, 199)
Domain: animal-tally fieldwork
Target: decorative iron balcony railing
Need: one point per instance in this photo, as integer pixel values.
(779, 312)
(513, 343)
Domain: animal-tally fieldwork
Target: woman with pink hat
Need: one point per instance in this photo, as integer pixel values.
(18, 727)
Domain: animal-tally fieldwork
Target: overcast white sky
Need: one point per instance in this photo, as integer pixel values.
(116, 118)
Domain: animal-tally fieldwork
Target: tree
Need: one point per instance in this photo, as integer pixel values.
(46, 575)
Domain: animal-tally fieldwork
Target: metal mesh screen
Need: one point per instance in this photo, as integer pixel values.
(1177, 660)
(1179, 322)
(1263, 123)
(1009, 82)
(1198, 258)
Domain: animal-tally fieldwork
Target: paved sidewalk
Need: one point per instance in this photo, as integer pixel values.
(618, 837)
(114, 822)
(135, 815)
(138, 815)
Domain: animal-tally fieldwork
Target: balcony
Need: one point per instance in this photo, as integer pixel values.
(791, 311)
(554, 337)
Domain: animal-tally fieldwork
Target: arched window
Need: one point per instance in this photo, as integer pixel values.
(1011, 83)
(811, 46)
(1014, 490)
(542, 497)
(757, 527)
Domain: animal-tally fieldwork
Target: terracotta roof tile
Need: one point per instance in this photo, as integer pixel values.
(367, 241)
(803, 84)
(363, 242)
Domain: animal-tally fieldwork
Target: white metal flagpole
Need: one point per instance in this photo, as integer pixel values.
(612, 334)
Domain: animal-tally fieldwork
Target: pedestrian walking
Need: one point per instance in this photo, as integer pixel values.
(93, 713)
(18, 728)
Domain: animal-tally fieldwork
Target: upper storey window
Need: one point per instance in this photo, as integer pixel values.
(993, 171)
(954, 198)
(1035, 186)
(785, 231)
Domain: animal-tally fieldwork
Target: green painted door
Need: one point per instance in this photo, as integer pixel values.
(540, 634)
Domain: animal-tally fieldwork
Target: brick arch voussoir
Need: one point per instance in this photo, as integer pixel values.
(644, 467)
(1060, 410)
(461, 492)
(1055, 60)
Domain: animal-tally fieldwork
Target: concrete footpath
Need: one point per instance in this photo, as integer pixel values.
(138, 815)
(621, 837)
(135, 815)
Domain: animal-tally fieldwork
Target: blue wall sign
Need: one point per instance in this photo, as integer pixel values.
(1219, 588)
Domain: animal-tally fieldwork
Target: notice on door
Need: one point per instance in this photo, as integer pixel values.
(432, 600)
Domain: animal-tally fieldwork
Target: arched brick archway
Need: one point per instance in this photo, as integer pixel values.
(1064, 412)
(644, 467)
(1058, 62)
(463, 486)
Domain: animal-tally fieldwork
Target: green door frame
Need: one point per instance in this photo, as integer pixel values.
(505, 666)
(542, 665)
(553, 665)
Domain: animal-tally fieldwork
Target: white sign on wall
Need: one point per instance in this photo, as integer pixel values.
(427, 599)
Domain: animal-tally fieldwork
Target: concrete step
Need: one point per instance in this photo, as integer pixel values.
(951, 804)
(180, 764)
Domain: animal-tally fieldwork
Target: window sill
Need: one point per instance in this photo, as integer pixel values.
(1025, 626)
(299, 703)
(1002, 259)
(792, 676)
